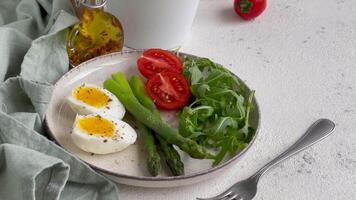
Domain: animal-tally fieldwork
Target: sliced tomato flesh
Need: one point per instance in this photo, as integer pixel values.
(168, 90)
(154, 61)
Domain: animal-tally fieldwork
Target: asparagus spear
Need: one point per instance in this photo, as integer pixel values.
(172, 157)
(170, 153)
(153, 159)
(138, 88)
(121, 89)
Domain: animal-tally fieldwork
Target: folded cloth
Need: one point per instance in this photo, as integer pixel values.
(32, 58)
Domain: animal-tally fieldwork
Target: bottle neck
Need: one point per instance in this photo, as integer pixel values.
(81, 5)
(95, 4)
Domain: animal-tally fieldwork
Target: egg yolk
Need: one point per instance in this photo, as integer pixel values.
(91, 96)
(97, 126)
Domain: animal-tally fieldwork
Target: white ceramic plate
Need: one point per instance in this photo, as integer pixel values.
(128, 166)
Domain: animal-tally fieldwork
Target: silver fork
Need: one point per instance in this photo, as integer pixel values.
(246, 189)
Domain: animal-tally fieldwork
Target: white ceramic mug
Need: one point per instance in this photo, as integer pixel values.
(154, 23)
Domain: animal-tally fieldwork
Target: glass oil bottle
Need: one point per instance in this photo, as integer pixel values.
(97, 33)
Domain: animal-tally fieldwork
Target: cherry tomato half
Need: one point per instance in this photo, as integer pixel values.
(249, 9)
(168, 90)
(154, 61)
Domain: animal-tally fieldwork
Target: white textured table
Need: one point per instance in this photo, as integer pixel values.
(300, 57)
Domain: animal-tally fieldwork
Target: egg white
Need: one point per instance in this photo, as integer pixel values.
(124, 135)
(113, 109)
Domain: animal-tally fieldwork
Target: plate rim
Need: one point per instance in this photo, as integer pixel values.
(151, 178)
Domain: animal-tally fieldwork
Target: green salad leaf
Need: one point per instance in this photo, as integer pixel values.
(219, 116)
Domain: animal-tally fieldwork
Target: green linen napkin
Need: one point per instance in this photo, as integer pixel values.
(32, 58)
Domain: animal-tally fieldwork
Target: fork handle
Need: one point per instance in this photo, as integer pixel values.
(316, 132)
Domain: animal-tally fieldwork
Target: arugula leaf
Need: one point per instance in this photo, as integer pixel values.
(192, 119)
(219, 117)
(219, 128)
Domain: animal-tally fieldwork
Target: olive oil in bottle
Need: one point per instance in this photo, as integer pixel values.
(97, 33)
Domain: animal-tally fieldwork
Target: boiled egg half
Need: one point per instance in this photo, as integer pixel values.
(91, 99)
(97, 134)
